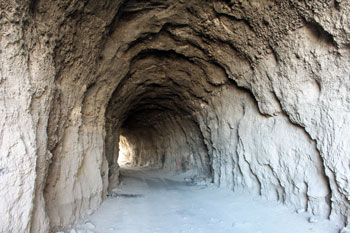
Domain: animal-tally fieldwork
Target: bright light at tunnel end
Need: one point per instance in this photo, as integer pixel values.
(124, 157)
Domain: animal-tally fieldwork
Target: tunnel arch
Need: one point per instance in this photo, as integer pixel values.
(139, 47)
(158, 83)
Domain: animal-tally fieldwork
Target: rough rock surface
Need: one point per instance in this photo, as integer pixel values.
(257, 91)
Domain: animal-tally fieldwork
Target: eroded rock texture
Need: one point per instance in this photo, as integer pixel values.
(253, 94)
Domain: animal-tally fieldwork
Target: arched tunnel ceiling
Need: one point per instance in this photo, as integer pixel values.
(116, 58)
(164, 80)
(237, 37)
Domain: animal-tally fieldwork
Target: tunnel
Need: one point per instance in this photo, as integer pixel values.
(247, 96)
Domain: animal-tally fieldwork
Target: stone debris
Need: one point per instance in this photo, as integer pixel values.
(314, 219)
(299, 211)
(89, 225)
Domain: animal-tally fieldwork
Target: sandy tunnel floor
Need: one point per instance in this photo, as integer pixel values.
(149, 201)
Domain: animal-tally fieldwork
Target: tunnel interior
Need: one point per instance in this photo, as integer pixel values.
(164, 92)
(251, 96)
(193, 91)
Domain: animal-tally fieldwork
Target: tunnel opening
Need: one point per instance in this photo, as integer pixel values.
(158, 134)
(125, 152)
(158, 107)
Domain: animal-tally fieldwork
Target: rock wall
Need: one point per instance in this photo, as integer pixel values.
(26, 87)
(264, 155)
(264, 85)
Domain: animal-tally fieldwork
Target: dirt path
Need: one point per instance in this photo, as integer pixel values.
(146, 203)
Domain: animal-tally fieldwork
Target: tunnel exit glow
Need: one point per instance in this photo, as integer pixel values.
(124, 157)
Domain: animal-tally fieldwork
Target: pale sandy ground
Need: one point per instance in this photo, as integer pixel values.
(149, 202)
